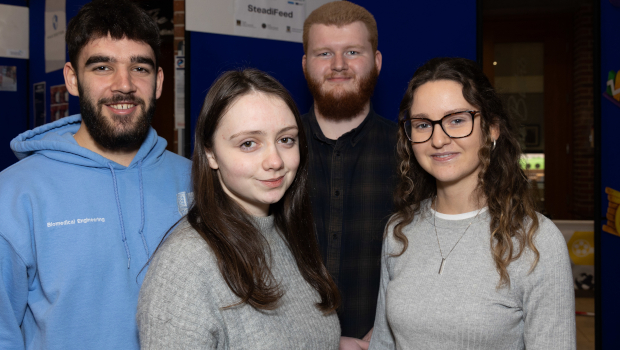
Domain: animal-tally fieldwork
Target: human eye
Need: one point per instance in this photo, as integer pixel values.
(457, 120)
(101, 68)
(420, 125)
(141, 70)
(287, 141)
(248, 145)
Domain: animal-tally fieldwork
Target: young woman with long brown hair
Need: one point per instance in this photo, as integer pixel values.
(467, 262)
(243, 271)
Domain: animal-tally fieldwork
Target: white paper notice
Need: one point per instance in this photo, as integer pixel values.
(270, 19)
(14, 31)
(55, 27)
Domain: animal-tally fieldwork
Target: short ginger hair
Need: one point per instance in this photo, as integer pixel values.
(341, 13)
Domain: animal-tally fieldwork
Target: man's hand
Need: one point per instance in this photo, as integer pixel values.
(347, 343)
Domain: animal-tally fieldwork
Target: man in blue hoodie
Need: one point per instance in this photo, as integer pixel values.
(93, 194)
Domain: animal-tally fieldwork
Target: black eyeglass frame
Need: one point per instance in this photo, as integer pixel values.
(434, 122)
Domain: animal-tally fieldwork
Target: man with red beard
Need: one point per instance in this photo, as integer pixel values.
(93, 194)
(352, 155)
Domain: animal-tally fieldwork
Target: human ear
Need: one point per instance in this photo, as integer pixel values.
(71, 79)
(378, 60)
(211, 159)
(159, 82)
(494, 131)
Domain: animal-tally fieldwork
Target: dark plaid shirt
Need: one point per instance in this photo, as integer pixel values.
(352, 180)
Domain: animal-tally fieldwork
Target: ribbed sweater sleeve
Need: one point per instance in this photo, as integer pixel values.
(183, 299)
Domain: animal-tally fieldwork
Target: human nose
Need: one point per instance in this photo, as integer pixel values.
(439, 137)
(123, 82)
(272, 160)
(339, 63)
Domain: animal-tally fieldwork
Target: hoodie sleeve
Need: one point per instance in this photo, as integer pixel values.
(13, 296)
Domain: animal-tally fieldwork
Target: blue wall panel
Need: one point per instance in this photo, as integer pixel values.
(37, 54)
(409, 34)
(610, 177)
(14, 103)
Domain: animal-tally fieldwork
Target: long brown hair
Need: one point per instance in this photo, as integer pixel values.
(501, 181)
(241, 251)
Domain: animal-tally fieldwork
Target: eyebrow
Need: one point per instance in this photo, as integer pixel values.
(105, 59)
(259, 132)
(426, 116)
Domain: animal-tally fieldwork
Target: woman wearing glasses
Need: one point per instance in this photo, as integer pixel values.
(243, 270)
(467, 262)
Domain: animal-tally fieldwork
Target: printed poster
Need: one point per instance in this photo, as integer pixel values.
(59, 105)
(55, 27)
(270, 19)
(8, 78)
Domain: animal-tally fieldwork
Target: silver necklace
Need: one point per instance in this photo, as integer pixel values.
(443, 260)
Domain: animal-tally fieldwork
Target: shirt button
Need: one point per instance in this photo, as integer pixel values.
(337, 193)
(334, 236)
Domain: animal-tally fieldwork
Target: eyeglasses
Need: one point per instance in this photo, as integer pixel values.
(456, 125)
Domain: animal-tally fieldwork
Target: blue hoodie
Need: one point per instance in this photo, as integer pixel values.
(76, 231)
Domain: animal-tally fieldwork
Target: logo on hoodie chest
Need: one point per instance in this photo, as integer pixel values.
(75, 221)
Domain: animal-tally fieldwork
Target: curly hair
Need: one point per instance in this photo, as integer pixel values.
(501, 181)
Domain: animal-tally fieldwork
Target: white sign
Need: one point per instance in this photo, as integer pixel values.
(14, 31)
(270, 19)
(238, 18)
(55, 27)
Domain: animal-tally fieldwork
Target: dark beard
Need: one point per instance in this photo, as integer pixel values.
(119, 135)
(345, 105)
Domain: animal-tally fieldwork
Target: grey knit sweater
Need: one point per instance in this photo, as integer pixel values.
(181, 300)
(461, 308)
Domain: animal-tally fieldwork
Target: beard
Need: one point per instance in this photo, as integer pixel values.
(118, 133)
(343, 105)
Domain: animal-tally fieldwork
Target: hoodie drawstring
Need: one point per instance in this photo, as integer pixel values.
(146, 247)
(120, 215)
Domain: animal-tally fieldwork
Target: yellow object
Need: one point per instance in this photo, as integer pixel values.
(613, 198)
(611, 191)
(617, 221)
(581, 248)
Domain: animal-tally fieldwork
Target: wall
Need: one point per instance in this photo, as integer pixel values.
(409, 34)
(14, 103)
(583, 115)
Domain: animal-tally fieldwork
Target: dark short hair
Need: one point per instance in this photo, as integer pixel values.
(118, 18)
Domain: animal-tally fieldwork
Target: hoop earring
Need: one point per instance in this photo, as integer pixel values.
(493, 145)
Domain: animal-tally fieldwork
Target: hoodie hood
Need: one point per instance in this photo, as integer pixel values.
(55, 141)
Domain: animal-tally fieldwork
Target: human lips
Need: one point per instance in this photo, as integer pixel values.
(274, 182)
(444, 156)
(337, 78)
(124, 107)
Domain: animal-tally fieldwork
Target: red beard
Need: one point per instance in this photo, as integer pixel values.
(345, 105)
